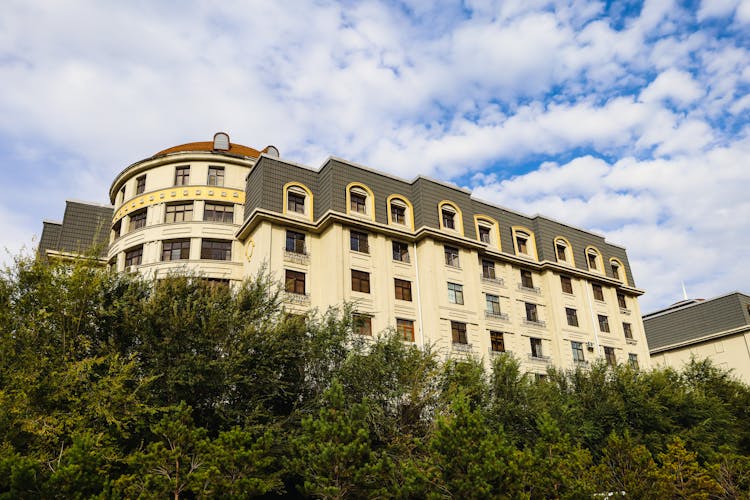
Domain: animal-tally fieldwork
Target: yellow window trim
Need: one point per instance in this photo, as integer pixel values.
(409, 206)
(459, 217)
(495, 228)
(623, 275)
(571, 254)
(532, 241)
(308, 208)
(599, 261)
(370, 200)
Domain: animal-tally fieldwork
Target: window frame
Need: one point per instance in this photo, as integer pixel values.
(360, 190)
(400, 254)
(455, 293)
(627, 330)
(362, 324)
(402, 289)
(135, 220)
(401, 202)
(218, 174)
(485, 267)
(527, 279)
(569, 256)
(454, 221)
(295, 240)
(182, 175)
(535, 344)
(592, 252)
(298, 195)
(360, 281)
(295, 278)
(492, 304)
(459, 333)
(610, 356)
(603, 321)
(497, 339)
(452, 256)
(532, 312)
(571, 315)
(577, 351)
(134, 253)
(171, 212)
(184, 245)
(598, 292)
(211, 248)
(362, 242)
(227, 212)
(566, 284)
(140, 184)
(404, 327)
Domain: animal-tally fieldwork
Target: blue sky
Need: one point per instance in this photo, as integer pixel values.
(626, 118)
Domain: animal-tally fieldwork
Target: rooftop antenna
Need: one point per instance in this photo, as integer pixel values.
(684, 291)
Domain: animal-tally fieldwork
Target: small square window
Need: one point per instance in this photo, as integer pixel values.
(182, 176)
(216, 176)
(405, 328)
(400, 251)
(484, 234)
(295, 242)
(358, 242)
(295, 282)
(398, 213)
(458, 332)
(358, 202)
(451, 256)
(295, 202)
(403, 289)
(455, 293)
(360, 281)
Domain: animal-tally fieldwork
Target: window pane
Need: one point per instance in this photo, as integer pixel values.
(360, 281)
(398, 214)
(358, 242)
(567, 284)
(215, 212)
(175, 250)
(295, 202)
(572, 316)
(405, 328)
(458, 332)
(400, 251)
(403, 289)
(216, 249)
(362, 324)
(295, 242)
(295, 282)
(182, 176)
(527, 280)
(488, 269)
(215, 176)
(140, 184)
(451, 256)
(358, 203)
(497, 341)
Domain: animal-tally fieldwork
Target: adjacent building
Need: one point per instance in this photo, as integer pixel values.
(84, 230)
(423, 257)
(718, 329)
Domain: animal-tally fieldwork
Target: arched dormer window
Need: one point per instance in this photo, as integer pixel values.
(488, 231)
(594, 260)
(450, 217)
(618, 270)
(400, 211)
(564, 251)
(360, 200)
(298, 200)
(524, 243)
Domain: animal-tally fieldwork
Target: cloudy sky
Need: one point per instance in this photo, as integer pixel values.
(626, 118)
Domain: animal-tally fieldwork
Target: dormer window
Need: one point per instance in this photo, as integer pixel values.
(618, 270)
(484, 234)
(615, 270)
(594, 259)
(358, 201)
(295, 202)
(522, 242)
(449, 217)
(298, 200)
(398, 213)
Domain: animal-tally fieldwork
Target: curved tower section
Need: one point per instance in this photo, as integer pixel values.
(179, 210)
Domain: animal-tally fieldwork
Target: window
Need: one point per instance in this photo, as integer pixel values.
(216, 176)
(493, 304)
(497, 341)
(215, 212)
(536, 347)
(140, 184)
(598, 292)
(403, 289)
(117, 228)
(358, 202)
(531, 312)
(181, 176)
(179, 212)
(458, 332)
(488, 269)
(448, 216)
(134, 256)
(295, 242)
(295, 282)
(360, 281)
(455, 293)
(451, 256)
(362, 324)
(484, 234)
(527, 279)
(615, 270)
(216, 249)
(358, 242)
(405, 328)
(633, 360)
(609, 355)
(627, 330)
(592, 258)
(572, 316)
(138, 219)
(603, 323)
(295, 202)
(398, 213)
(400, 251)
(621, 301)
(561, 249)
(122, 194)
(175, 250)
(567, 284)
(522, 242)
(577, 348)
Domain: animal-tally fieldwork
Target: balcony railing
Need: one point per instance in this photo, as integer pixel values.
(492, 279)
(497, 353)
(625, 311)
(495, 315)
(458, 346)
(631, 341)
(297, 298)
(534, 322)
(544, 359)
(297, 257)
(529, 289)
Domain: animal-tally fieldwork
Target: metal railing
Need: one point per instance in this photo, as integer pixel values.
(297, 298)
(497, 316)
(534, 322)
(458, 346)
(529, 289)
(490, 279)
(296, 257)
(545, 359)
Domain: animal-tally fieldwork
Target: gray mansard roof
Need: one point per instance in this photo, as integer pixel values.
(84, 226)
(697, 321)
(264, 190)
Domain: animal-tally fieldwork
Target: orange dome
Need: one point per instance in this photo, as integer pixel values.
(236, 149)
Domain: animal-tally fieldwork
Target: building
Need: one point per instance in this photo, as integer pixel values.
(421, 256)
(84, 230)
(718, 329)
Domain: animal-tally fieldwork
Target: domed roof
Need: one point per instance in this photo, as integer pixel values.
(220, 144)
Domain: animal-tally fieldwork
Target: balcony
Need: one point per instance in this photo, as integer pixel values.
(625, 311)
(543, 359)
(297, 298)
(534, 322)
(529, 289)
(296, 256)
(458, 346)
(497, 353)
(498, 316)
(491, 280)
(631, 341)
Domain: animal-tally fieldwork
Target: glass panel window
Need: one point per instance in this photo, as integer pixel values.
(609, 354)
(633, 360)
(536, 347)
(360, 281)
(561, 249)
(215, 212)
(398, 213)
(140, 184)
(598, 292)
(522, 243)
(497, 341)
(603, 323)
(134, 256)
(400, 251)
(358, 202)
(567, 284)
(449, 218)
(175, 250)
(122, 194)
(362, 324)
(577, 348)
(451, 256)
(484, 234)
(295, 242)
(216, 176)
(591, 257)
(616, 270)
(572, 316)
(179, 212)
(358, 242)
(216, 249)
(621, 301)
(138, 219)
(488, 269)
(295, 282)
(628, 330)
(458, 332)
(493, 304)
(405, 328)
(403, 289)
(295, 202)
(527, 279)
(455, 293)
(531, 312)
(182, 176)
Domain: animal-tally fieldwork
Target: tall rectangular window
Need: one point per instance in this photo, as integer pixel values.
(140, 184)
(138, 219)
(182, 176)
(134, 256)
(295, 202)
(603, 323)
(295, 242)
(358, 203)
(458, 332)
(405, 328)
(527, 279)
(626, 328)
(531, 312)
(179, 212)
(493, 304)
(216, 212)
(609, 355)
(451, 256)
(398, 213)
(633, 360)
(362, 324)
(484, 234)
(497, 341)
(358, 242)
(449, 218)
(572, 316)
(567, 284)
(403, 289)
(216, 176)
(488, 269)
(400, 251)
(360, 281)
(522, 243)
(577, 348)
(294, 282)
(598, 292)
(175, 250)
(455, 293)
(216, 249)
(536, 347)
(621, 301)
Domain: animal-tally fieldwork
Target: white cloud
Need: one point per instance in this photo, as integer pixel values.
(677, 86)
